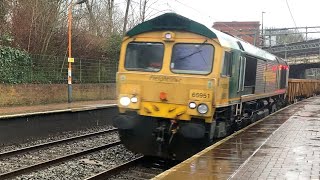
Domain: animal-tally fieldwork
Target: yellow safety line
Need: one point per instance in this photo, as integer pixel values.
(192, 158)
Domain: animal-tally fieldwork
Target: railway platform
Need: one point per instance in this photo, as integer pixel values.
(22, 124)
(21, 111)
(284, 145)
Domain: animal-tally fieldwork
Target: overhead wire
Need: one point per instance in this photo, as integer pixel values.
(168, 5)
(170, 9)
(148, 6)
(206, 15)
(295, 24)
(231, 28)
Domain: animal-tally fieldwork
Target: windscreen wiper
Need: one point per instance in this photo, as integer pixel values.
(193, 53)
(188, 55)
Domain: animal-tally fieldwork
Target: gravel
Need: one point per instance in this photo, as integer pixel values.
(77, 168)
(85, 166)
(52, 138)
(22, 160)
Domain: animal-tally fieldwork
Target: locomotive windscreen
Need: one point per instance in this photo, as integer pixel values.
(144, 56)
(192, 58)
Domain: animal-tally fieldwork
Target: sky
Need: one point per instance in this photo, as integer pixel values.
(305, 12)
(277, 14)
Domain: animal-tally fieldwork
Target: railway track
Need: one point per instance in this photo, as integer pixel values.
(50, 148)
(138, 168)
(116, 170)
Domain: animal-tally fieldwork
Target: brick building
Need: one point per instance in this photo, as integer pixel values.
(248, 31)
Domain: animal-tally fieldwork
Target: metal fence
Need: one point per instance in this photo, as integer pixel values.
(54, 69)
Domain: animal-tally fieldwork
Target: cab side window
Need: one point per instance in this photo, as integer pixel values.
(227, 64)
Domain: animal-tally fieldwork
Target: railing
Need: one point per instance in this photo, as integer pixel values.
(303, 60)
(54, 69)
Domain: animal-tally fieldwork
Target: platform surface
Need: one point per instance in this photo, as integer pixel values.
(18, 111)
(285, 145)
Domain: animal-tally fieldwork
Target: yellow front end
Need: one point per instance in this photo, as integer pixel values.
(163, 91)
(176, 96)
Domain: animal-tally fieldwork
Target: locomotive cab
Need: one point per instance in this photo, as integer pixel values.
(181, 85)
(166, 79)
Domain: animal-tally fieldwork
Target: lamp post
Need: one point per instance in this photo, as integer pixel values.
(70, 59)
(262, 35)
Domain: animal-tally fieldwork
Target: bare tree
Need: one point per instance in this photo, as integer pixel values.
(93, 20)
(33, 24)
(110, 6)
(4, 8)
(126, 18)
(143, 5)
(40, 26)
(141, 11)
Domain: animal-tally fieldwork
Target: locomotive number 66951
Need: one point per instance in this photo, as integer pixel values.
(200, 95)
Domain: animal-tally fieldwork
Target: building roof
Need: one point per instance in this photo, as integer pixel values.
(238, 23)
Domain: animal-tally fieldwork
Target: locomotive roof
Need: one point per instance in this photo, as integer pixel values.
(232, 42)
(175, 22)
(171, 21)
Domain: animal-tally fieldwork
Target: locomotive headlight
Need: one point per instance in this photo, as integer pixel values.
(168, 36)
(203, 109)
(134, 99)
(192, 105)
(124, 101)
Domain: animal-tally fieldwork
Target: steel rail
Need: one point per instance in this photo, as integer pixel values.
(115, 170)
(55, 161)
(47, 144)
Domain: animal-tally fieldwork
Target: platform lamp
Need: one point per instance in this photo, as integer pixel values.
(70, 59)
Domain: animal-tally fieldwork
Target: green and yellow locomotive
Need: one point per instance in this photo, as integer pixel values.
(181, 85)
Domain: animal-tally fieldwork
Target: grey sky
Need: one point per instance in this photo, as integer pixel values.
(305, 12)
(277, 15)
